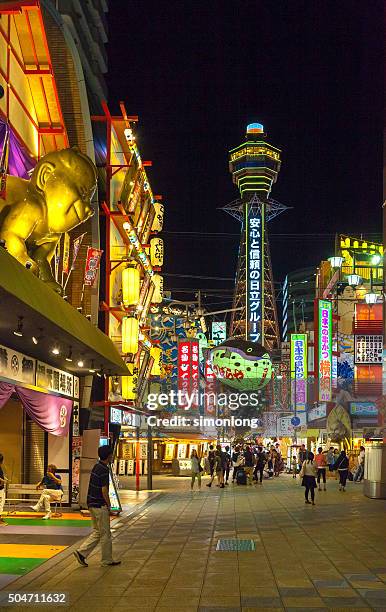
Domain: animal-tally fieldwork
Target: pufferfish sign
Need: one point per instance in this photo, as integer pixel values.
(242, 365)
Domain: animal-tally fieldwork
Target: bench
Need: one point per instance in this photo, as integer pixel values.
(18, 493)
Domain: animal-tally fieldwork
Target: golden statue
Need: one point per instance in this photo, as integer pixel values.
(37, 212)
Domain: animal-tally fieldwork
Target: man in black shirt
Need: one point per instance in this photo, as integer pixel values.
(98, 503)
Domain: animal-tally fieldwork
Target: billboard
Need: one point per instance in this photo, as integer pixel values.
(299, 371)
(363, 409)
(254, 242)
(323, 365)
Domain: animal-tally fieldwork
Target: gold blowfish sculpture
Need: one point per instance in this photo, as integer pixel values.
(35, 213)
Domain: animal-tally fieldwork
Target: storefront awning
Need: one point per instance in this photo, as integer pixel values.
(53, 321)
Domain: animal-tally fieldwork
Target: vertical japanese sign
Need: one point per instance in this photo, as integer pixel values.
(92, 265)
(210, 389)
(66, 253)
(254, 241)
(324, 352)
(299, 371)
(184, 372)
(195, 386)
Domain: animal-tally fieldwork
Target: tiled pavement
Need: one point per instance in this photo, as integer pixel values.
(328, 557)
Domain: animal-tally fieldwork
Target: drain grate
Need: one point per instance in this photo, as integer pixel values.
(235, 545)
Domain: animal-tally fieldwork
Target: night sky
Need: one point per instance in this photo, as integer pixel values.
(198, 72)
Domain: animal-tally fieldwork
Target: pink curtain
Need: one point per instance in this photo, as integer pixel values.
(51, 413)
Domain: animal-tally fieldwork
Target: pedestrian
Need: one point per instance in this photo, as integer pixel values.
(308, 474)
(3, 480)
(341, 464)
(52, 491)
(218, 468)
(321, 462)
(360, 471)
(98, 503)
(248, 463)
(294, 466)
(196, 469)
(260, 463)
(227, 464)
(211, 459)
(237, 462)
(330, 459)
(302, 455)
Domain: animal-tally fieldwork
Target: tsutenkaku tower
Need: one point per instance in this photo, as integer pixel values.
(255, 165)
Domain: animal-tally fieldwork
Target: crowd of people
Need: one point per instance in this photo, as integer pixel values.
(313, 469)
(248, 464)
(244, 463)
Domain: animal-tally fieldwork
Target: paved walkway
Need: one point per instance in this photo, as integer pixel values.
(328, 557)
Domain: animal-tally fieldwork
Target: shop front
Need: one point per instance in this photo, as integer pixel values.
(47, 351)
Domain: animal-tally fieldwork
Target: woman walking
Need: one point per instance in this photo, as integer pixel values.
(196, 469)
(321, 462)
(308, 473)
(341, 464)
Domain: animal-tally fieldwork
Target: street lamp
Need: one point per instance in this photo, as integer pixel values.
(336, 262)
(354, 280)
(371, 298)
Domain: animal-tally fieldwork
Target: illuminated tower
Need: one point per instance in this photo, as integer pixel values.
(255, 165)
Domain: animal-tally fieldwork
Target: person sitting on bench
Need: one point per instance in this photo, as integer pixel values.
(52, 491)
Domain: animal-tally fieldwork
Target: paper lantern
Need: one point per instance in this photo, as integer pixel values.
(157, 251)
(156, 353)
(158, 283)
(129, 387)
(158, 221)
(130, 286)
(240, 364)
(130, 335)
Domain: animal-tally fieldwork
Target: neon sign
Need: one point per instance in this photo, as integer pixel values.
(324, 365)
(299, 370)
(254, 232)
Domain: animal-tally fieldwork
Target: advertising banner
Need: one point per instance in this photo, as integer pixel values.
(324, 352)
(195, 386)
(184, 371)
(75, 249)
(299, 371)
(254, 241)
(363, 409)
(92, 266)
(210, 389)
(66, 253)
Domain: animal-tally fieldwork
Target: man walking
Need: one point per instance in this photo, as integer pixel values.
(98, 503)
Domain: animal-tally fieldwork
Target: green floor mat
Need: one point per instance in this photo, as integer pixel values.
(14, 565)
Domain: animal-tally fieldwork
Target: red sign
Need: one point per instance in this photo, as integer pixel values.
(195, 386)
(92, 266)
(184, 372)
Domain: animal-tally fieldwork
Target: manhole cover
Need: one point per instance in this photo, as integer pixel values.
(238, 545)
